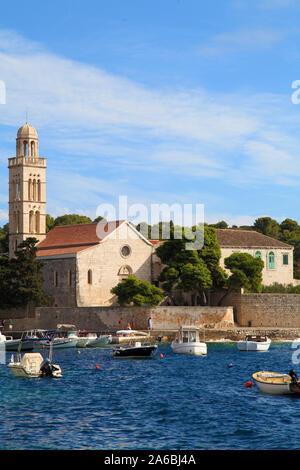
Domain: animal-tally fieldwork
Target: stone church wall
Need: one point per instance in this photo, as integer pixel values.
(60, 280)
(107, 264)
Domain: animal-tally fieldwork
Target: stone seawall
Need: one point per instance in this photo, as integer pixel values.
(108, 318)
(268, 310)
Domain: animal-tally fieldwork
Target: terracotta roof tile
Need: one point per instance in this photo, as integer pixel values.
(65, 239)
(61, 251)
(247, 238)
(242, 239)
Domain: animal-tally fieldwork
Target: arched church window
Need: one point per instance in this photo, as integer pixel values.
(31, 222)
(39, 190)
(15, 222)
(32, 148)
(34, 190)
(18, 222)
(69, 277)
(29, 189)
(271, 260)
(25, 148)
(124, 272)
(37, 222)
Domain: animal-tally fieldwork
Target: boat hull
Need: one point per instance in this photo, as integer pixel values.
(60, 343)
(273, 383)
(100, 342)
(253, 345)
(196, 349)
(20, 371)
(32, 365)
(27, 345)
(135, 352)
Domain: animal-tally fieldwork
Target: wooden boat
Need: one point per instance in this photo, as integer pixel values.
(274, 383)
(135, 351)
(254, 343)
(188, 342)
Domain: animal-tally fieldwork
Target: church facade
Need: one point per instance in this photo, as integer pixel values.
(83, 262)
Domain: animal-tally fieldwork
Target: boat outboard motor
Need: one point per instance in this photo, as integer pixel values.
(293, 376)
(46, 368)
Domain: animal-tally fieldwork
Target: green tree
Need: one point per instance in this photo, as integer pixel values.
(191, 270)
(133, 290)
(21, 281)
(221, 224)
(26, 275)
(246, 272)
(290, 225)
(267, 226)
(49, 223)
(4, 239)
(72, 219)
(99, 219)
(7, 283)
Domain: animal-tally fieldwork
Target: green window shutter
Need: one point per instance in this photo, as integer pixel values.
(257, 254)
(285, 259)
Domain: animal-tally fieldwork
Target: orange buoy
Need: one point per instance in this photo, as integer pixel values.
(161, 355)
(97, 367)
(248, 384)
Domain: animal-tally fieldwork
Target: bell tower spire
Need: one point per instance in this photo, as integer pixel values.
(27, 190)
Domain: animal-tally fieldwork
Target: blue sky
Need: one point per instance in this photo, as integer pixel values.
(173, 101)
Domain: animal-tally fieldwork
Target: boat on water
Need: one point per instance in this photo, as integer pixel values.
(33, 365)
(188, 342)
(254, 343)
(276, 383)
(100, 341)
(83, 338)
(131, 333)
(60, 343)
(30, 340)
(5, 339)
(135, 351)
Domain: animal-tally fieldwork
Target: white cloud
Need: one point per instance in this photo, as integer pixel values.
(83, 111)
(239, 41)
(3, 216)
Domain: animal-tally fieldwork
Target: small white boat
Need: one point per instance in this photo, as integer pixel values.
(60, 343)
(29, 341)
(274, 383)
(100, 341)
(33, 365)
(188, 342)
(5, 339)
(254, 343)
(83, 338)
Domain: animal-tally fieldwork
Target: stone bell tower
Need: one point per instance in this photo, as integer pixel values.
(27, 190)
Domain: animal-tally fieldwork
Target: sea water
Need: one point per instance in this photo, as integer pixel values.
(170, 402)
